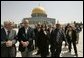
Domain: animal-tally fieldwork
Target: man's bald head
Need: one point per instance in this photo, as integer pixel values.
(25, 23)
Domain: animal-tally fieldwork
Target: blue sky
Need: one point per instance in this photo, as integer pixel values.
(64, 11)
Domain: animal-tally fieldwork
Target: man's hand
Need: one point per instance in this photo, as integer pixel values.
(8, 43)
(25, 44)
(21, 42)
(39, 29)
(45, 33)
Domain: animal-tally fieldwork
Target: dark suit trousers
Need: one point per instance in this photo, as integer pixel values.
(74, 45)
(8, 51)
(26, 53)
(55, 52)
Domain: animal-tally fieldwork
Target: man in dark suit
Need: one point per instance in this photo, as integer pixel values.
(25, 37)
(72, 38)
(8, 41)
(56, 40)
(37, 31)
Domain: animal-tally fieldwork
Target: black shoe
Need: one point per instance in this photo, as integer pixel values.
(37, 54)
(76, 55)
(47, 54)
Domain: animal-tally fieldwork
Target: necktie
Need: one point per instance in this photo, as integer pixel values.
(8, 32)
(8, 35)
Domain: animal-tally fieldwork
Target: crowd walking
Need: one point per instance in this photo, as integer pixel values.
(44, 36)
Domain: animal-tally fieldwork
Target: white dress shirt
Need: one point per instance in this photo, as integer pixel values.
(26, 29)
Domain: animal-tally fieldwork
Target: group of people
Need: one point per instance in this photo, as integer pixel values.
(44, 35)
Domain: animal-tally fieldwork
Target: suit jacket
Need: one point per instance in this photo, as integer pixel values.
(36, 37)
(22, 36)
(4, 36)
(43, 39)
(57, 36)
(74, 36)
(8, 51)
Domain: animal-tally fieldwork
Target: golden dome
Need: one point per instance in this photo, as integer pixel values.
(38, 9)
